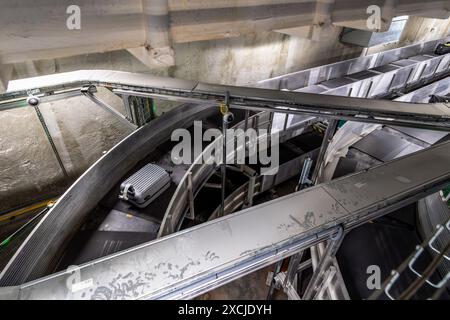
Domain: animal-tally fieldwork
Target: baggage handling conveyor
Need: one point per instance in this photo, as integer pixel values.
(196, 260)
(62, 85)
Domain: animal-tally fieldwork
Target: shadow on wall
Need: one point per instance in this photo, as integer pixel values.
(81, 131)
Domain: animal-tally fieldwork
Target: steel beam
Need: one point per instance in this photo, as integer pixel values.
(436, 116)
(196, 260)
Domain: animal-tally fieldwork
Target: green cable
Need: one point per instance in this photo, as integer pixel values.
(6, 242)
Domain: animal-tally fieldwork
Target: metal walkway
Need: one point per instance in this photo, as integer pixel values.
(199, 259)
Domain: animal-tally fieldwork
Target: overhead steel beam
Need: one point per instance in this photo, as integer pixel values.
(434, 116)
(33, 32)
(196, 260)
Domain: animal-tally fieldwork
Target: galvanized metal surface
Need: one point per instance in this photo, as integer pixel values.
(379, 111)
(395, 140)
(256, 98)
(192, 261)
(377, 62)
(201, 169)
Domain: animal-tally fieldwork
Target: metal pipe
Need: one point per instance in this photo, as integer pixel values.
(331, 129)
(87, 92)
(52, 143)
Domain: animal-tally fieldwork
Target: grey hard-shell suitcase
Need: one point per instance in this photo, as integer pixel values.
(145, 185)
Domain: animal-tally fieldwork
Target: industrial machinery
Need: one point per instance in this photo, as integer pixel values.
(358, 143)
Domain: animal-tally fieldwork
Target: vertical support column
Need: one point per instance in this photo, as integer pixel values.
(157, 51)
(191, 213)
(293, 268)
(324, 264)
(5, 75)
(276, 270)
(320, 30)
(331, 129)
(303, 181)
(227, 117)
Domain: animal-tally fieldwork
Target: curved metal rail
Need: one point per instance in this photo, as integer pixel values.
(436, 116)
(42, 248)
(77, 201)
(199, 172)
(190, 262)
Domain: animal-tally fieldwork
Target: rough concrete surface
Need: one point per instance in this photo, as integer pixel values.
(28, 167)
(80, 130)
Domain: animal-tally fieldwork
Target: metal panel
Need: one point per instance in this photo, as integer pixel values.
(365, 38)
(360, 191)
(386, 68)
(366, 74)
(313, 89)
(124, 222)
(304, 78)
(190, 262)
(337, 82)
(392, 145)
(428, 136)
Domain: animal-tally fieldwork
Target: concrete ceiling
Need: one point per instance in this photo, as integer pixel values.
(37, 29)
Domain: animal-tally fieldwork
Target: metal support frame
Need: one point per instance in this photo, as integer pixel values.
(324, 264)
(288, 287)
(88, 92)
(236, 253)
(331, 129)
(191, 212)
(321, 278)
(293, 268)
(304, 181)
(252, 175)
(250, 192)
(287, 280)
(273, 282)
(421, 278)
(51, 142)
(346, 108)
(226, 118)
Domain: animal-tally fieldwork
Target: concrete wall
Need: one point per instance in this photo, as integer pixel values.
(82, 131)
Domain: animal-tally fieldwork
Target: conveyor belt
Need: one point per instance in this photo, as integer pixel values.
(41, 250)
(195, 260)
(341, 107)
(436, 116)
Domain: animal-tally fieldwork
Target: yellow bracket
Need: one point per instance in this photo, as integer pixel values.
(19, 212)
(223, 108)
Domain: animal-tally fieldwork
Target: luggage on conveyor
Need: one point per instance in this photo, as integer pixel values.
(145, 185)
